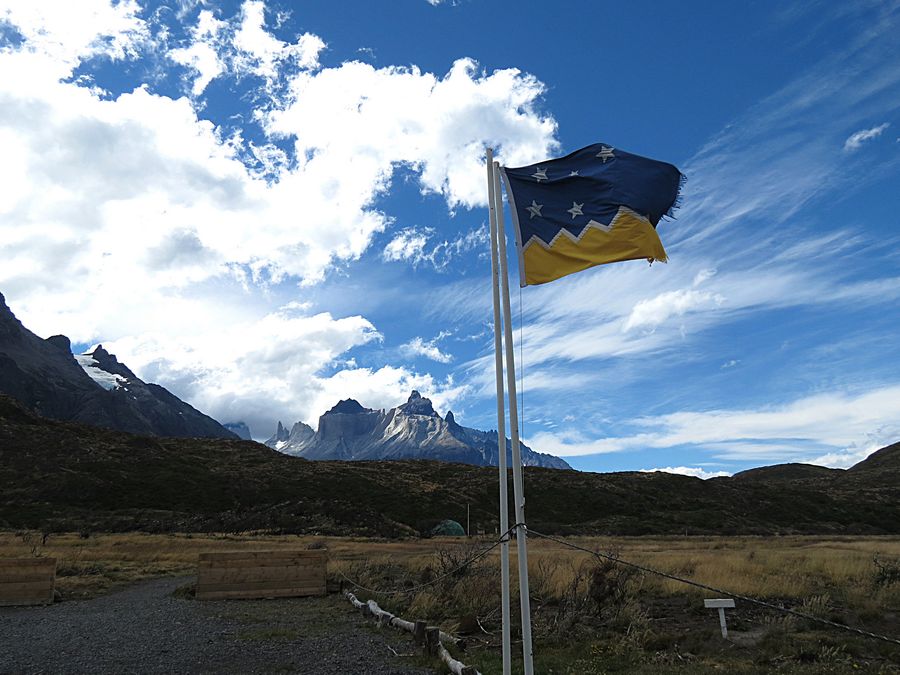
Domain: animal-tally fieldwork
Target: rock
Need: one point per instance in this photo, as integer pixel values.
(61, 342)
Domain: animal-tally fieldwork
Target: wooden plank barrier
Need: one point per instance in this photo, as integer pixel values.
(261, 574)
(27, 581)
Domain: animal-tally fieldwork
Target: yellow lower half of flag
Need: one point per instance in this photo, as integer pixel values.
(629, 238)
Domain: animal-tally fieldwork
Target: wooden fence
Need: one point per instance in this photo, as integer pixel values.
(27, 581)
(261, 574)
(430, 637)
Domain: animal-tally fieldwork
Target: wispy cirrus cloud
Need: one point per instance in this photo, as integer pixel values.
(825, 429)
(422, 245)
(855, 141)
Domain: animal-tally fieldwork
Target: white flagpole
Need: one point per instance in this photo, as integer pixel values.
(501, 423)
(518, 486)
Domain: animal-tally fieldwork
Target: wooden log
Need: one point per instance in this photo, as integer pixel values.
(419, 632)
(432, 640)
(456, 667)
(27, 581)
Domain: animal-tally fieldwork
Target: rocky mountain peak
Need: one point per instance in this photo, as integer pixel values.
(348, 406)
(417, 404)
(239, 429)
(281, 434)
(110, 363)
(61, 342)
(10, 327)
(450, 418)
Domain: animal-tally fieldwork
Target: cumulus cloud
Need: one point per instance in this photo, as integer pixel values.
(648, 314)
(202, 55)
(69, 32)
(856, 140)
(131, 173)
(111, 199)
(368, 120)
(429, 349)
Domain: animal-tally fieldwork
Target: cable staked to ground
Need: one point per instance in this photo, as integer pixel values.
(697, 584)
(619, 561)
(477, 556)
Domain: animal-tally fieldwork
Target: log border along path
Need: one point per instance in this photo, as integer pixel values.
(429, 636)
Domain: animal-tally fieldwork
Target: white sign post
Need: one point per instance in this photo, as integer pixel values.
(721, 605)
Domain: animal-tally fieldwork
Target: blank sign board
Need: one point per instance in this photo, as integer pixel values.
(261, 574)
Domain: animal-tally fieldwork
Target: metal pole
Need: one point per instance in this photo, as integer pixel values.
(501, 422)
(518, 486)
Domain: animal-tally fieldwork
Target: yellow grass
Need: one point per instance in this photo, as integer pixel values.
(773, 567)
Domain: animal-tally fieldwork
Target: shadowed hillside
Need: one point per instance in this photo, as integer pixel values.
(66, 476)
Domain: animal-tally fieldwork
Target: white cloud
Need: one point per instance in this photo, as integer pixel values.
(261, 53)
(840, 421)
(648, 314)
(418, 246)
(856, 140)
(692, 471)
(408, 244)
(165, 208)
(202, 55)
(429, 349)
(252, 370)
(364, 120)
(68, 32)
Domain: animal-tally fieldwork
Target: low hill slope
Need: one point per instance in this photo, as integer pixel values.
(65, 476)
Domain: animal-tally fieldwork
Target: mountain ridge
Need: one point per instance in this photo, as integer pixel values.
(93, 388)
(64, 476)
(412, 430)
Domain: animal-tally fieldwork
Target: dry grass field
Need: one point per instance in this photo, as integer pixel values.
(589, 616)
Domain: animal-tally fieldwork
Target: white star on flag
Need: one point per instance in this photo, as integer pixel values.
(605, 153)
(534, 209)
(576, 209)
(539, 175)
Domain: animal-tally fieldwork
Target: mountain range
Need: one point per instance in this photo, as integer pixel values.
(63, 476)
(93, 388)
(413, 430)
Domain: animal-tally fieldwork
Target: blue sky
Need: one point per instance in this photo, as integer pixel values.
(269, 206)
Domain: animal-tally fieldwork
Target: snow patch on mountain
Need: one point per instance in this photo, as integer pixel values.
(91, 366)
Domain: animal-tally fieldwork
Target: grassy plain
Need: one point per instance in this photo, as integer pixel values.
(589, 616)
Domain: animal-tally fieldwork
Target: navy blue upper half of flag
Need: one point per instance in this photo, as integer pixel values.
(589, 184)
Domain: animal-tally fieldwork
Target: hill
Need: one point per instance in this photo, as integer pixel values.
(68, 476)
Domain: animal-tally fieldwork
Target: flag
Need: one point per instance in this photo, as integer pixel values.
(595, 206)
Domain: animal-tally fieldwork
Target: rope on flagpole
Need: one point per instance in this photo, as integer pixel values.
(697, 584)
(521, 369)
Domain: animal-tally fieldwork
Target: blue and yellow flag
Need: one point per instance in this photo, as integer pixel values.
(597, 205)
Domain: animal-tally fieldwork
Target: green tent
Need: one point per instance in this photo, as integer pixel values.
(448, 528)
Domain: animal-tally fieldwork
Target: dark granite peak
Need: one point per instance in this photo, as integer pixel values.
(348, 406)
(417, 404)
(61, 342)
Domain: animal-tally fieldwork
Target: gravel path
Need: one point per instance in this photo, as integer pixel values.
(144, 629)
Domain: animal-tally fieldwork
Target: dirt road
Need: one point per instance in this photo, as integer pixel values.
(145, 629)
